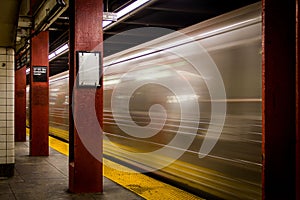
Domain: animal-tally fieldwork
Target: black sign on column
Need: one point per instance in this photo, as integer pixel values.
(40, 74)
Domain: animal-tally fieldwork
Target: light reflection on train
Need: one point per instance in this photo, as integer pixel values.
(232, 170)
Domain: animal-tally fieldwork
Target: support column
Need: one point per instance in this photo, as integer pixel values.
(39, 95)
(20, 104)
(279, 99)
(86, 103)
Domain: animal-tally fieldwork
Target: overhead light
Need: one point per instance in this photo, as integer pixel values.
(51, 55)
(106, 23)
(61, 50)
(131, 7)
(126, 10)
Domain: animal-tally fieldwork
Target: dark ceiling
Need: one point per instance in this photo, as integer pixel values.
(9, 17)
(170, 14)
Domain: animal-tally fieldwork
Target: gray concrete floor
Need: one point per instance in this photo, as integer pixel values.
(47, 178)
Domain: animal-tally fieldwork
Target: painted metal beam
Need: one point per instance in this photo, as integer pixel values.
(279, 99)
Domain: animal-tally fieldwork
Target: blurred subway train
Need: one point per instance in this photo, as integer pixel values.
(156, 73)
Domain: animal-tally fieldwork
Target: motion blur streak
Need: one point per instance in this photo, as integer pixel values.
(232, 170)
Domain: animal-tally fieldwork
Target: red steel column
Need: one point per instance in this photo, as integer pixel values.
(279, 100)
(85, 171)
(20, 105)
(39, 96)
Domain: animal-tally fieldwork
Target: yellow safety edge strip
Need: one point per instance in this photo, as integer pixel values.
(138, 183)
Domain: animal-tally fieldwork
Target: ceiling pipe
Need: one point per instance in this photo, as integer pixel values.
(50, 16)
(45, 22)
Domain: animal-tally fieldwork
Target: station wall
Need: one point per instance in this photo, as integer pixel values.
(7, 73)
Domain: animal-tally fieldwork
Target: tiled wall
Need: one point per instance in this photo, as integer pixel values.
(6, 109)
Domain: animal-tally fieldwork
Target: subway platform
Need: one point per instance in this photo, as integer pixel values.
(47, 178)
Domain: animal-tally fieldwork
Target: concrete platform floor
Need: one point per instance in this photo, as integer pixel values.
(38, 178)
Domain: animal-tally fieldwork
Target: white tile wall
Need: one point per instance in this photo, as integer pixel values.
(10, 159)
(2, 138)
(2, 72)
(7, 87)
(3, 108)
(3, 131)
(11, 81)
(3, 58)
(3, 51)
(3, 125)
(9, 108)
(10, 86)
(3, 87)
(3, 145)
(3, 116)
(10, 73)
(10, 66)
(2, 94)
(10, 138)
(10, 51)
(10, 94)
(9, 125)
(10, 58)
(3, 160)
(10, 116)
(10, 152)
(11, 131)
(2, 152)
(2, 79)
(10, 145)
